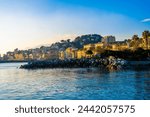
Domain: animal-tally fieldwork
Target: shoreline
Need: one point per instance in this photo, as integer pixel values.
(13, 61)
(110, 63)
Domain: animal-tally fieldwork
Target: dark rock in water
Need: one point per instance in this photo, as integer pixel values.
(68, 63)
(110, 63)
(115, 63)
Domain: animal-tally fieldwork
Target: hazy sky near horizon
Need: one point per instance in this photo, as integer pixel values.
(29, 23)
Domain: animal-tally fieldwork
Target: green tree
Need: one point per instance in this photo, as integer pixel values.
(89, 53)
(68, 40)
(62, 41)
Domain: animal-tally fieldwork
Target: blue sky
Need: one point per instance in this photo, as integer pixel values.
(29, 23)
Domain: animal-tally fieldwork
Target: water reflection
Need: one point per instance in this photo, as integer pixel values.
(142, 84)
(82, 83)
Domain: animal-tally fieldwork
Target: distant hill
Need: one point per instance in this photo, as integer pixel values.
(86, 39)
(78, 42)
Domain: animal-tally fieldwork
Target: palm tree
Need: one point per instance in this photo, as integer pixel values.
(135, 37)
(135, 41)
(62, 41)
(145, 36)
(68, 40)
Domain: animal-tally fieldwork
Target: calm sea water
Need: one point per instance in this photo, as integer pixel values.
(53, 84)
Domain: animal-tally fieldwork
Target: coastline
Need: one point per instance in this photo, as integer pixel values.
(13, 61)
(110, 63)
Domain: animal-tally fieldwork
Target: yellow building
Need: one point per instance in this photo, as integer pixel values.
(99, 48)
(148, 42)
(19, 56)
(117, 46)
(69, 53)
(96, 49)
(89, 47)
(81, 54)
(99, 45)
(74, 52)
(124, 47)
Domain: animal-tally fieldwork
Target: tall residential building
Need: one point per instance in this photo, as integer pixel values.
(108, 39)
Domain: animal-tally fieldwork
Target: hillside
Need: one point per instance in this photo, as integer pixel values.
(78, 42)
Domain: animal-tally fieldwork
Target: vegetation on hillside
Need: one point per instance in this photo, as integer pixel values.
(136, 55)
(78, 42)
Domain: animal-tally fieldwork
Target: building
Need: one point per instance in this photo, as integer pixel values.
(74, 53)
(81, 54)
(89, 47)
(62, 55)
(118, 45)
(99, 45)
(10, 55)
(108, 39)
(52, 54)
(149, 42)
(69, 53)
(19, 56)
(99, 48)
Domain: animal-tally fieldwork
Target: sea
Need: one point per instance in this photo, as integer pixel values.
(72, 84)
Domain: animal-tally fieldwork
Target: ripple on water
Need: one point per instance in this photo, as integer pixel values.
(78, 83)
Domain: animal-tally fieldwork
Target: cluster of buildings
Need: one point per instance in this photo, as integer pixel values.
(107, 43)
(31, 54)
(88, 50)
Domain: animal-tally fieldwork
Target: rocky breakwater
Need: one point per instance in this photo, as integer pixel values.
(119, 64)
(116, 63)
(68, 63)
(105, 63)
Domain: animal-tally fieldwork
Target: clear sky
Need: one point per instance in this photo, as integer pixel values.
(29, 23)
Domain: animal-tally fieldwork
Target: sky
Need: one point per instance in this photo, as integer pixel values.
(27, 24)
